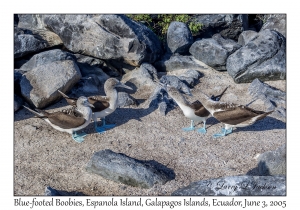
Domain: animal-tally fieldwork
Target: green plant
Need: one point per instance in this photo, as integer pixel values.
(159, 24)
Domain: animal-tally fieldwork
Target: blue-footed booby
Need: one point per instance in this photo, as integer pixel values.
(67, 120)
(194, 111)
(232, 115)
(103, 105)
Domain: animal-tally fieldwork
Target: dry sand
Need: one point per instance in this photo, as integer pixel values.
(46, 157)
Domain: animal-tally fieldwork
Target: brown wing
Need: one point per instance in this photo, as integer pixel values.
(72, 111)
(100, 103)
(71, 101)
(65, 121)
(199, 109)
(236, 115)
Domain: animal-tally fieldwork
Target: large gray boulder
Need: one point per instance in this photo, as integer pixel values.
(236, 186)
(40, 37)
(124, 99)
(264, 58)
(228, 25)
(179, 38)
(214, 51)
(123, 169)
(178, 62)
(246, 36)
(39, 86)
(25, 42)
(47, 57)
(106, 37)
(142, 76)
(276, 22)
(273, 99)
(273, 162)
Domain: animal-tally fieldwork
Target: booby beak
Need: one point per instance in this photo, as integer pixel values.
(123, 86)
(89, 104)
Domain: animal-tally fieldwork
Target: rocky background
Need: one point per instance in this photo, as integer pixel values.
(78, 53)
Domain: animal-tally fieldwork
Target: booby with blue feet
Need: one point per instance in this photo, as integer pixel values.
(195, 111)
(232, 115)
(68, 120)
(103, 105)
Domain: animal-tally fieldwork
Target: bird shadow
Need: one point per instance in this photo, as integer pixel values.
(253, 172)
(268, 123)
(122, 115)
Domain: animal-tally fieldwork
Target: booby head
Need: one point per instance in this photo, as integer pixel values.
(112, 83)
(83, 101)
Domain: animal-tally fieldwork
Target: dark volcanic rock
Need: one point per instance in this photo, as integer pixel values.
(47, 57)
(39, 86)
(236, 186)
(18, 102)
(178, 62)
(190, 77)
(179, 38)
(17, 80)
(273, 98)
(106, 37)
(87, 70)
(30, 21)
(101, 65)
(88, 85)
(159, 97)
(228, 44)
(49, 191)
(264, 58)
(34, 24)
(276, 22)
(215, 51)
(247, 36)
(123, 169)
(124, 99)
(142, 76)
(175, 82)
(273, 162)
(16, 20)
(25, 42)
(228, 25)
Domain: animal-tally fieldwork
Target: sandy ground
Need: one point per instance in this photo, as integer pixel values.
(46, 157)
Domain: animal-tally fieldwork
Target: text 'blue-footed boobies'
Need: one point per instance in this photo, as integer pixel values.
(67, 120)
(103, 105)
(232, 115)
(194, 111)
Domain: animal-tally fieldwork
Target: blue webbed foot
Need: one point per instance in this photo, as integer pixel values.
(202, 130)
(224, 133)
(100, 129)
(78, 137)
(189, 128)
(218, 135)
